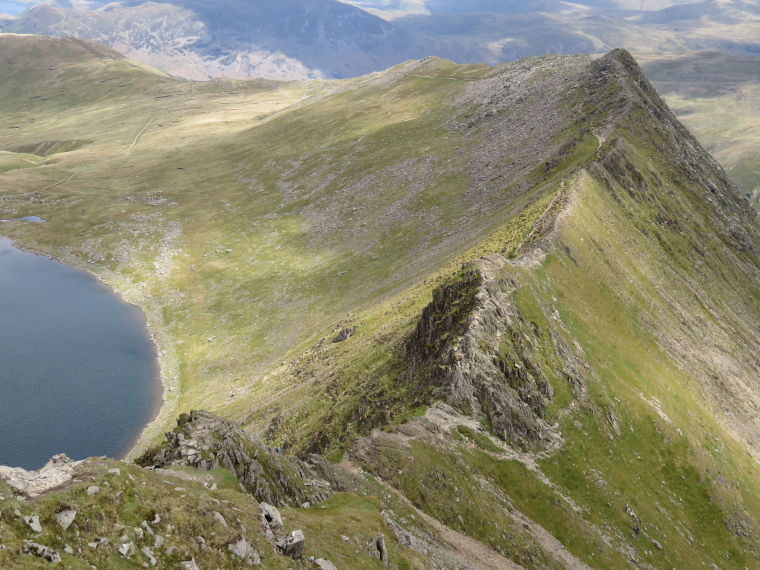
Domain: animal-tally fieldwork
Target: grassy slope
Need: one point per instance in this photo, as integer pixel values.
(185, 507)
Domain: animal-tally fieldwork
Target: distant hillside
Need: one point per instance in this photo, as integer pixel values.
(397, 8)
(718, 97)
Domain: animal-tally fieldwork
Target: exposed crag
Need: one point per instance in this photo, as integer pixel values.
(205, 441)
(485, 358)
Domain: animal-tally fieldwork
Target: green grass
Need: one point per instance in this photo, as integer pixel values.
(356, 518)
(434, 481)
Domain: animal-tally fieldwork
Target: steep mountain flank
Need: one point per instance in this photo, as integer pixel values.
(490, 317)
(715, 96)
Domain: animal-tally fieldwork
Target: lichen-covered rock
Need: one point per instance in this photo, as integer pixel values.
(41, 551)
(65, 518)
(127, 549)
(33, 522)
(245, 552)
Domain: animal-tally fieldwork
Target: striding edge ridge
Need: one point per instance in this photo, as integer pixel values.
(486, 359)
(472, 345)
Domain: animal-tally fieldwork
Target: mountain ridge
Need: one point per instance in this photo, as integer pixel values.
(329, 39)
(567, 379)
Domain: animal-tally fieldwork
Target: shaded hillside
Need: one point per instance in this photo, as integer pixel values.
(515, 307)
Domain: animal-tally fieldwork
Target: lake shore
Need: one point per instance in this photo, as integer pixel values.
(167, 390)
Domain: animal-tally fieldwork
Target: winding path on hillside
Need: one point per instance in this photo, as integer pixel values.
(123, 152)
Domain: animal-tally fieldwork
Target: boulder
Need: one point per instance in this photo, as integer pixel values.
(149, 554)
(33, 521)
(380, 545)
(247, 553)
(93, 490)
(189, 565)
(65, 518)
(127, 549)
(218, 517)
(271, 515)
(292, 545)
(42, 551)
(322, 564)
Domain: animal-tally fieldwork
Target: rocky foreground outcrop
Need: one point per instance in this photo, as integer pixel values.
(101, 513)
(205, 441)
(56, 472)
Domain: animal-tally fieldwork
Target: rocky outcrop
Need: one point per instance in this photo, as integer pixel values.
(56, 472)
(206, 441)
(292, 545)
(243, 550)
(482, 356)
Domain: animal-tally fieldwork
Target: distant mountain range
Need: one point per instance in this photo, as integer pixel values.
(291, 39)
(298, 39)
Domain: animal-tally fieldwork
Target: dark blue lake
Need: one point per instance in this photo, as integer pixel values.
(78, 372)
